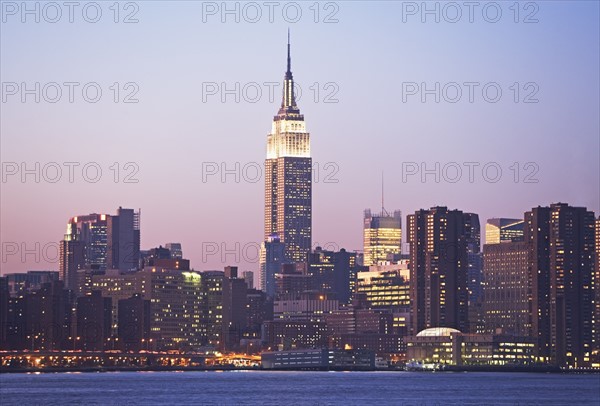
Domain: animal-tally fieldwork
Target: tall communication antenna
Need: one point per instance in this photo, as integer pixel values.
(383, 212)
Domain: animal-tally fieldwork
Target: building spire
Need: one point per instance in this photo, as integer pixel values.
(288, 103)
(289, 58)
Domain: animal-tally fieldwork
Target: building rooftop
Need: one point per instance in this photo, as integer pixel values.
(438, 332)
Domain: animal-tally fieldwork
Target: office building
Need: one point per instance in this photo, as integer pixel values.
(382, 236)
(385, 287)
(506, 289)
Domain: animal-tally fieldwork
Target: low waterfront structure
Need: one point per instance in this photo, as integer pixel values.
(321, 358)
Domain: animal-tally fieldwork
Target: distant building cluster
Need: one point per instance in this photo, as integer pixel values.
(530, 296)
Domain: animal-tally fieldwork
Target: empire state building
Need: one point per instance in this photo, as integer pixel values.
(288, 170)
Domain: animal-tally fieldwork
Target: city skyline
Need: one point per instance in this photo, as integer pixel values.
(341, 140)
(201, 196)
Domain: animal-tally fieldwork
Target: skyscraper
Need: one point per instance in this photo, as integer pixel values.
(124, 240)
(382, 236)
(271, 258)
(85, 246)
(71, 260)
(561, 240)
(288, 171)
(474, 271)
(438, 269)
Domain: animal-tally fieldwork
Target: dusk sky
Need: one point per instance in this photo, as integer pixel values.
(370, 55)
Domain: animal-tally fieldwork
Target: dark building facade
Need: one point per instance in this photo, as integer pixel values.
(561, 241)
(331, 272)
(288, 334)
(134, 324)
(123, 251)
(474, 271)
(93, 315)
(438, 269)
(293, 280)
(272, 257)
(234, 307)
(19, 283)
(4, 303)
(259, 309)
(47, 316)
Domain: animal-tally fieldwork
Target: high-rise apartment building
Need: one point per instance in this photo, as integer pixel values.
(438, 269)
(561, 240)
(288, 176)
(474, 271)
(71, 260)
(185, 306)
